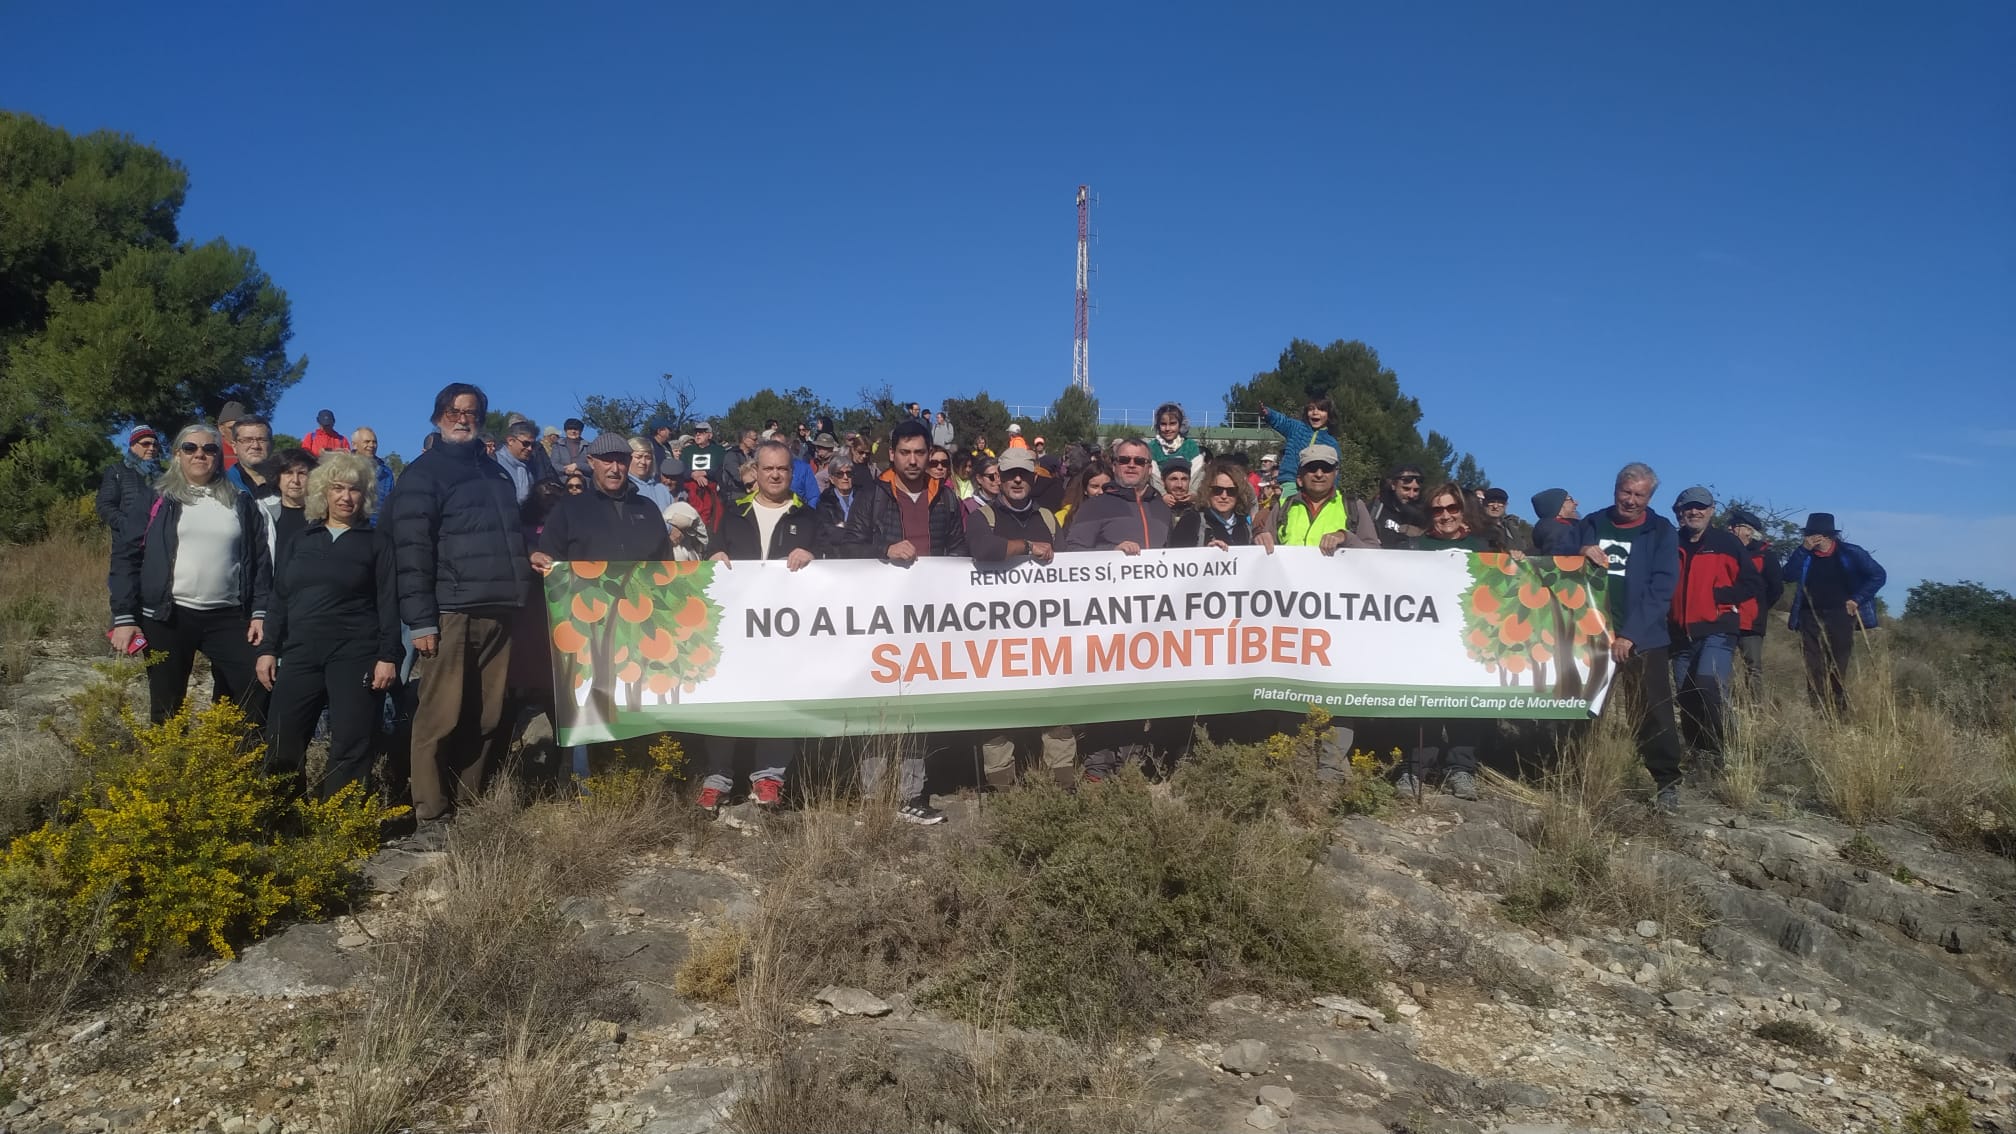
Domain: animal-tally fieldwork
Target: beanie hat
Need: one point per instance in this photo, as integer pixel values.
(1547, 503)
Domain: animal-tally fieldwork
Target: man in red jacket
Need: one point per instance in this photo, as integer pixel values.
(1716, 578)
(325, 439)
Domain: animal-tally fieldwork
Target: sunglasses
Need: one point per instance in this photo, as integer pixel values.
(1130, 460)
(1446, 509)
(937, 464)
(839, 473)
(1223, 490)
(1319, 467)
(193, 447)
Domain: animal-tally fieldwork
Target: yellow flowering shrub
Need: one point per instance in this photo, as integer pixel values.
(176, 839)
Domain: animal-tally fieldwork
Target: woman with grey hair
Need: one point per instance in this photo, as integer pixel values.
(192, 576)
(836, 503)
(334, 641)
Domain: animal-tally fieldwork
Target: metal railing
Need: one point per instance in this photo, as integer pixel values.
(1144, 420)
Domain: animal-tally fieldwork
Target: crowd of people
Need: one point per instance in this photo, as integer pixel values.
(317, 583)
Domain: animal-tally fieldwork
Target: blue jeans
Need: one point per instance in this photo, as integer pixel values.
(1702, 672)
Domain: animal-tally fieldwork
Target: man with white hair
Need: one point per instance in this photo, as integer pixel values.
(364, 440)
(1642, 551)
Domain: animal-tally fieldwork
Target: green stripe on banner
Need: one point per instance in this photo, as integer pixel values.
(1035, 708)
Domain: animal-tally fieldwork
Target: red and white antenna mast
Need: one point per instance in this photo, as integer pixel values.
(1081, 340)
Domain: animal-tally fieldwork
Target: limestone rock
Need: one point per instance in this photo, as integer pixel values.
(852, 1001)
(1245, 1057)
(1281, 1099)
(1262, 1118)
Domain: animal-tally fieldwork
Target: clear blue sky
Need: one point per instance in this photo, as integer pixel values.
(1768, 247)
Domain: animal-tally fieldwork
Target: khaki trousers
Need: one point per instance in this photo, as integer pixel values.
(458, 726)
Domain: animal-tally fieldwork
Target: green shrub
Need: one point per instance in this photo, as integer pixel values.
(1951, 1116)
(175, 839)
(1107, 912)
(1245, 782)
(1798, 1035)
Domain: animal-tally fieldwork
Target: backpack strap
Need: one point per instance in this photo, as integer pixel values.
(153, 510)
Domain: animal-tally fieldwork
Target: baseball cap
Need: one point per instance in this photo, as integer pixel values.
(703, 427)
(1496, 496)
(1015, 459)
(1322, 454)
(1015, 429)
(610, 447)
(1694, 495)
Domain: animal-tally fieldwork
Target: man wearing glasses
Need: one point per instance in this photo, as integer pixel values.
(1131, 516)
(463, 572)
(130, 483)
(1319, 516)
(1716, 579)
(253, 438)
(1397, 514)
(900, 516)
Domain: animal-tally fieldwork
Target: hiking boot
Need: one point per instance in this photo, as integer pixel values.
(1460, 784)
(1667, 802)
(1407, 787)
(920, 812)
(710, 800)
(769, 793)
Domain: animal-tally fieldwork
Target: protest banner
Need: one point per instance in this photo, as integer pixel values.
(861, 647)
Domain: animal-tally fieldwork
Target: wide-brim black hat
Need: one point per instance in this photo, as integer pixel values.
(1820, 523)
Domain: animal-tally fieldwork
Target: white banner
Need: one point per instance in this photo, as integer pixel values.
(865, 647)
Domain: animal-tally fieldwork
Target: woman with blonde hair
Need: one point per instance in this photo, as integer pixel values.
(335, 640)
(191, 572)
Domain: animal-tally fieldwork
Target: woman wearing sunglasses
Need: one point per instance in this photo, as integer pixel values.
(193, 574)
(1455, 522)
(1222, 513)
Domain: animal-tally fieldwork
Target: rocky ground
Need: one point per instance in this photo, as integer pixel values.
(1897, 993)
(1883, 986)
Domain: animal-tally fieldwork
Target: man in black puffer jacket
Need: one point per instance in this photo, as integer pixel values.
(463, 572)
(902, 515)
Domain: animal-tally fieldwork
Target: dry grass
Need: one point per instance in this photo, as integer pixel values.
(55, 589)
(538, 1087)
(489, 964)
(994, 1081)
(712, 970)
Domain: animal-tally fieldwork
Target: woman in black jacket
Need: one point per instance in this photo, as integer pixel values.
(190, 572)
(836, 503)
(334, 640)
(1221, 512)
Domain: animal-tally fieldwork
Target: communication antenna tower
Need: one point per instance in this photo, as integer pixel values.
(1081, 339)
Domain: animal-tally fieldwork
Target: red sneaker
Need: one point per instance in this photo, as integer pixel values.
(769, 793)
(710, 799)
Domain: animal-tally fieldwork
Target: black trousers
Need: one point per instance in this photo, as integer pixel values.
(216, 634)
(1649, 673)
(334, 676)
(1828, 639)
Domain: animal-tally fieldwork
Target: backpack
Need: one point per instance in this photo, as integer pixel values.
(987, 514)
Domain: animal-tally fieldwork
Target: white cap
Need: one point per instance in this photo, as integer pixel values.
(1015, 429)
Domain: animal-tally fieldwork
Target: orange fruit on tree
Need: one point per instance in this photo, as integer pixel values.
(1514, 631)
(589, 568)
(587, 608)
(1570, 562)
(634, 610)
(659, 646)
(569, 640)
(629, 674)
(1483, 602)
(1533, 596)
(693, 614)
(659, 683)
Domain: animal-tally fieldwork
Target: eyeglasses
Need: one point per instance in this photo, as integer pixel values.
(1319, 467)
(464, 414)
(192, 447)
(1446, 509)
(1130, 460)
(1224, 490)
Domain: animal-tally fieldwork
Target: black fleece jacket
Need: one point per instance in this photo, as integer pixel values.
(336, 587)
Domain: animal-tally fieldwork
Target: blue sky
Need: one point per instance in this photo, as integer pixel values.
(1771, 248)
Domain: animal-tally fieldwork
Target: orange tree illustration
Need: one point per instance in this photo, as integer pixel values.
(643, 626)
(1537, 615)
